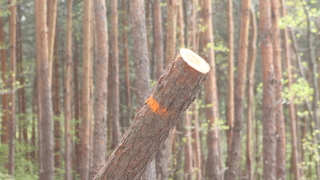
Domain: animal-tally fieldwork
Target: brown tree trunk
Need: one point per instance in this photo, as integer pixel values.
(3, 55)
(11, 85)
(158, 40)
(250, 116)
(196, 149)
(114, 77)
(52, 19)
(171, 96)
(268, 99)
(86, 103)
(188, 165)
(171, 30)
(68, 95)
(280, 124)
(291, 104)
(235, 151)
(181, 25)
(101, 75)
(230, 105)
(213, 165)
(56, 107)
(46, 125)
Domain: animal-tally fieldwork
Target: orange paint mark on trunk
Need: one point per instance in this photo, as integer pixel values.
(154, 105)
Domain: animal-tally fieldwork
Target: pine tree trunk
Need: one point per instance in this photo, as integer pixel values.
(171, 30)
(230, 105)
(235, 151)
(68, 95)
(46, 120)
(11, 83)
(268, 99)
(280, 124)
(3, 55)
(188, 166)
(101, 75)
(292, 111)
(250, 116)
(85, 109)
(213, 164)
(171, 96)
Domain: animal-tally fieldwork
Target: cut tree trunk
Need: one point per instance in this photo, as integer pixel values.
(174, 92)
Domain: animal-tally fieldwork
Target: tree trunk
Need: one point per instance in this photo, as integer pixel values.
(250, 116)
(114, 77)
(11, 83)
(46, 125)
(213, 166)
(52, 19)
(291, 104)
(268, 99)
(5, 114)
(56, 107)
(171, 96)
(171, 30)
(196, 149)
(230, 105)
(68, 95)
(235, 151)
(188, 165)
(86, 103)
(280, 124)
(158, 40)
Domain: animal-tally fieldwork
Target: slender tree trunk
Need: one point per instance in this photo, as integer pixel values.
(291, 104)
(250, 116)
(196, 150)
(52, 19)
(85, 123)
(101, 75)
(68, 95)
(230, 105)
(3, 55)
(46, 125)
(188, 166)
(171, 30)
(114, 76)
(158, 40)
(280, 124)
(269, 81)
(56, 107)
(34, 111)
(11, 83)
(213, 166)
(235, 151)
(171, 96)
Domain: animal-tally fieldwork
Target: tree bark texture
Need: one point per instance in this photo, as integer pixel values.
(250, 114)
(46, 125)
(188, 165)
(268, 99)
(171, 96)
(86, 103)
(213, 165)
(235, 151)
(280, 124)
(171, 30)
(158, 40)
(4, 98)
(230, 105)
(11, 83)
(68, 95)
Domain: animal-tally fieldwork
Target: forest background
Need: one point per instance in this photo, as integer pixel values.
(75, 73)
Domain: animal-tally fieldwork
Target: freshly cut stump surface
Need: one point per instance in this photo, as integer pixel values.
(175, 90)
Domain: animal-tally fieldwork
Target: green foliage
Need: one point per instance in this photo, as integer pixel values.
(300, 91)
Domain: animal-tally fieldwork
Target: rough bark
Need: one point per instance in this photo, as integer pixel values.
(268, 99)
(292, 111)
(68, 95)
(11, 83)
(101, 75)
(171, 30)
(280, 124)
(250, 116)
(235, 151)
(46, 123)
(230, 105)
(3, 55)
(213, 165)
(85, 101)
(170, 97)
(52, 19)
